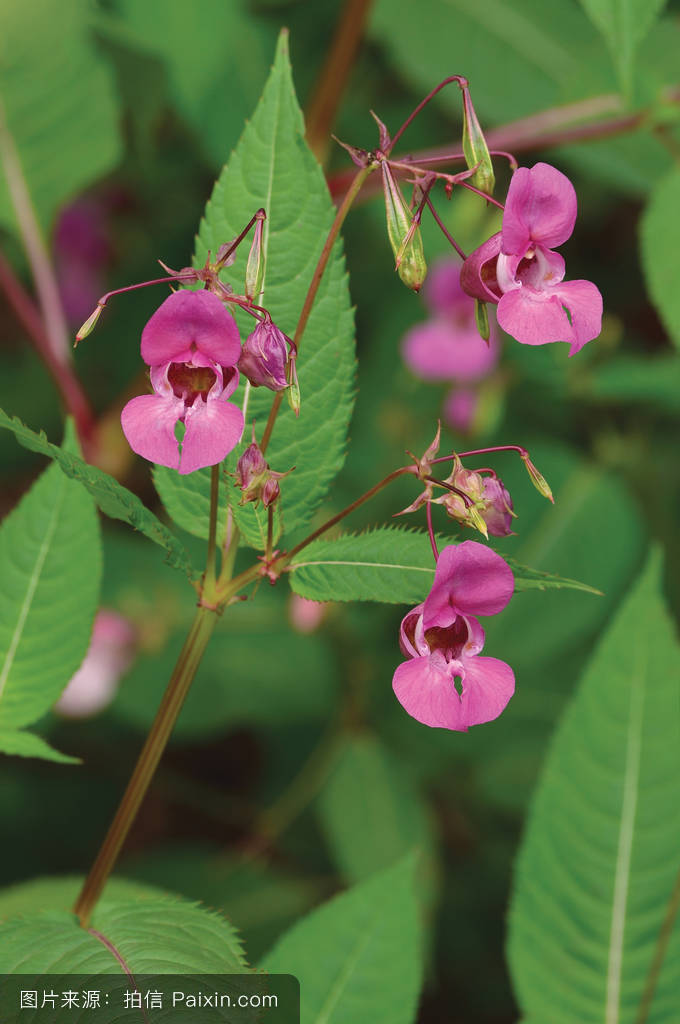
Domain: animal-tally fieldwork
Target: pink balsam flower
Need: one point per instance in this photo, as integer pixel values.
(192, 345)
(442, 638)
(518, 269)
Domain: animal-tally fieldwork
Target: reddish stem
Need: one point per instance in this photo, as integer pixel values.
(462, 82)
(430, 530)
(447, 235)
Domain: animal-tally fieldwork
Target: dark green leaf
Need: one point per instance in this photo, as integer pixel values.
(659, 242)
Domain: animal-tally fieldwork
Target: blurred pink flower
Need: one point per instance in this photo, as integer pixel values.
(518, 269)
(81, 255)
(442, 640)
(192, 345)
(306, 616)
(448, 346)
(110, 654)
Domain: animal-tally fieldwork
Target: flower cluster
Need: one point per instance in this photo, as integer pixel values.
(442, 640)
(518, 269)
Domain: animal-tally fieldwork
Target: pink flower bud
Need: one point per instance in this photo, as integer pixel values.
(264, 357)
(257, 481)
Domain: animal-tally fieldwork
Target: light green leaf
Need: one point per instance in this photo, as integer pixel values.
(111, 497)
(624, 24)
(368, 784)
(59, 103)
(59, 892)
(388, 564)
(150, 935)
(653, 381)
(358, 957)
(26, 744)
(600, 855)
(659, 243)
(50, 563)
(273, 168)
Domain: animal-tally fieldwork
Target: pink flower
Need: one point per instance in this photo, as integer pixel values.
(109, 656)
(442, 639)
(192, 345)
(448, 346)
(518, 269)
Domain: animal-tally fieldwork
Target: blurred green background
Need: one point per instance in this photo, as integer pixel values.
(293, 771)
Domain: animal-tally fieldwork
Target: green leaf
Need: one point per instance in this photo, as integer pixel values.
(358, 957)
(26, 744)
(650, 381)
(50, 562)
(59, 103)
(659, 247)
(272, 167)
(368, 784)
(111, 497)
(149, 935)
(389, 565)
(624, 24)
(600, 855)
(60, 893)
(215, 63)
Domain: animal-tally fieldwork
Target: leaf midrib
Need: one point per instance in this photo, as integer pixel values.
(33, 582)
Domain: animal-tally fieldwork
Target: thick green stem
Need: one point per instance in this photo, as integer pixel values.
(171, 705)
(208, 592)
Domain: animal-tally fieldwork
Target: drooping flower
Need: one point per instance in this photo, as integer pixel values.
(518, 269)
(192, 345)
(447, 347)
(442, 640)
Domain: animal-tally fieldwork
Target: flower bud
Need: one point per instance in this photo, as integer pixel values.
(475, 148)
(404, 234)
(293, 386)
(537, 479)
(264, 356)
(90, 323)
(257, 481)
(489, 505)
(255, 266)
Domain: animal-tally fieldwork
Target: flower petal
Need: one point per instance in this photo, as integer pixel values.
(427, 692)
(478, 273)
(470, 579)
(450, 350)
(148, 423)
(488, 685)
(187, 321)
(540, 207)
(213, 428)
(584, 302)
(533, 317)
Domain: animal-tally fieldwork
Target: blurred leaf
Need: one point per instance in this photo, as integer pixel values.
(255, 670)
(216, 61)
(59, 103)
(600, 855)
(50, 562)
(111, 497)
(358, 957)
(390, 565)
(273, 168)
(516, 59)
(659, 242)
(164, 936)
(26, 744)
(186, 498)
(652, 381)
(368, 784)
(60, 893)
(624, 24)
